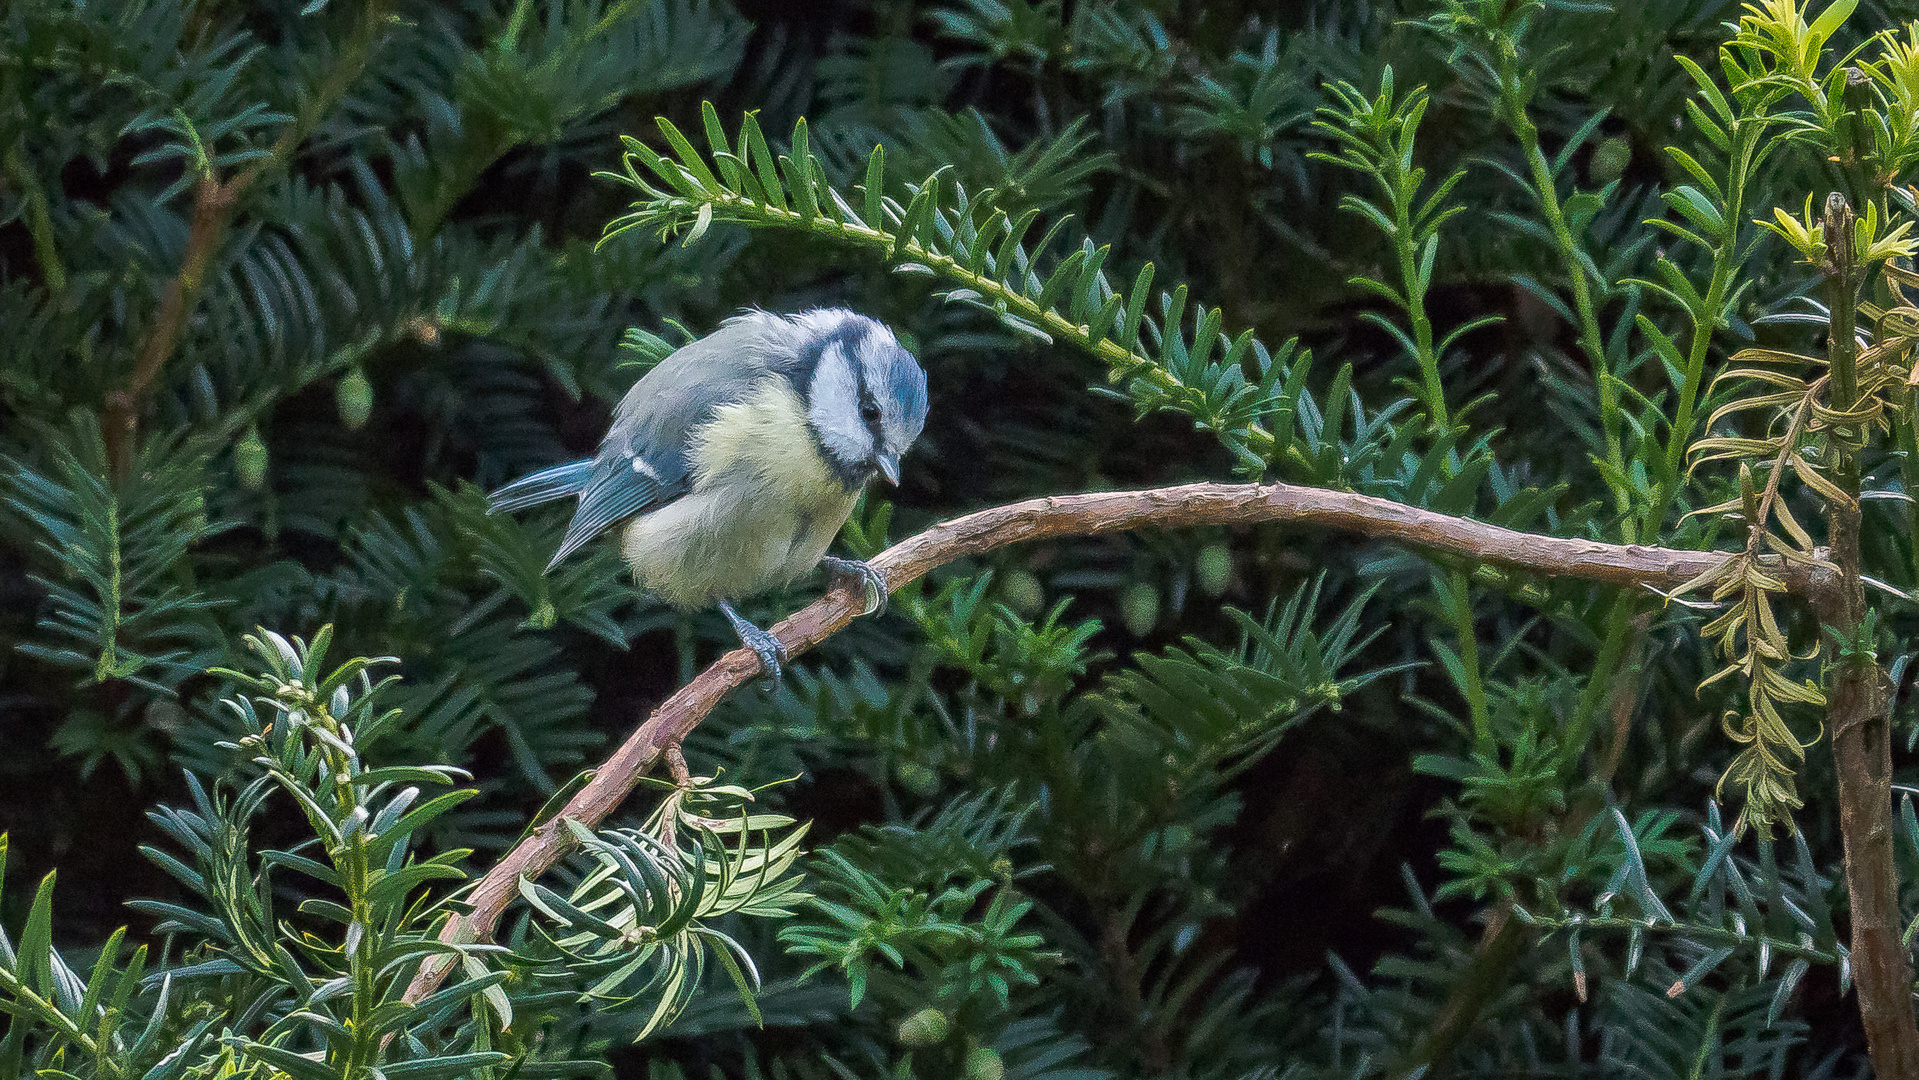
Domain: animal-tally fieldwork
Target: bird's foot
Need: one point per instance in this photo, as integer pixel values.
(771, 653)
(874, 581)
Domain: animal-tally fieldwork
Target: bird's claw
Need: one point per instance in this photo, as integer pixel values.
(771, 653)
(873, 580)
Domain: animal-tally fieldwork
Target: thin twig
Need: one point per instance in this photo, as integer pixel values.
(1038, 519)
(213, 203)
(1756, 531)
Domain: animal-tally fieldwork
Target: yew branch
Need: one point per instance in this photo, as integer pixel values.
(215, 203)
(1629, 565)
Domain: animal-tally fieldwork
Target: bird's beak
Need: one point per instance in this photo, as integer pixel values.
(889, 467)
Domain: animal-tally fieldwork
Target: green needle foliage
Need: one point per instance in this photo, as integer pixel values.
(987, 253)
(317, 991)
(647, 905)
(287, 286)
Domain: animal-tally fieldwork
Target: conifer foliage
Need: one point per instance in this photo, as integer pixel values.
(285, 287)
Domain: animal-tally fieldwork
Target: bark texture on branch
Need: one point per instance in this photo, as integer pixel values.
(1859, 705)
(1859, 720)
(1040, 519)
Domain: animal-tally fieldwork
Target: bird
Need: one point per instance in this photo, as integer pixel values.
(730, 467)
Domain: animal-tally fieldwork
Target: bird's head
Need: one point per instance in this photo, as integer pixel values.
(866, 398)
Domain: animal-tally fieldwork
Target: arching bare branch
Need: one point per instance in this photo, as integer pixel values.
(1188, 505)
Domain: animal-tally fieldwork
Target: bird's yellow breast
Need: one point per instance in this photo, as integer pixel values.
(763, 508)
(766, 437)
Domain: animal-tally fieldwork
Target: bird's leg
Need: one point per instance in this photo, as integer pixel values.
(874, 581)
(771, 652)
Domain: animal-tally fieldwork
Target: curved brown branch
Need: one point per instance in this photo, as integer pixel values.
(1040, 519)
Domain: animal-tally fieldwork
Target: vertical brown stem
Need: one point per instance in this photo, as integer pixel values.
(1859, 714)
(212, 211)
(1490, 970)
(1127, 980)
(214, 203)
(1862, 750)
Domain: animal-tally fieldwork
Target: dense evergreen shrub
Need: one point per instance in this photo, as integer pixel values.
(285, 288)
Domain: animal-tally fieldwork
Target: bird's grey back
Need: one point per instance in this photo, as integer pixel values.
(642, 463)
(658, 414)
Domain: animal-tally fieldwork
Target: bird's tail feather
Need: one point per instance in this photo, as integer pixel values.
(543, 486)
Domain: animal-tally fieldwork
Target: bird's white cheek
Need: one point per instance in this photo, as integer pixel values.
(848, 442)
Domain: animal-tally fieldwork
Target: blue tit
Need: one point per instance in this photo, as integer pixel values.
(731, 466)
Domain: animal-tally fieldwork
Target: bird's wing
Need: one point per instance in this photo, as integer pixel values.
(616, 492)
(642, 463)
(544, 486)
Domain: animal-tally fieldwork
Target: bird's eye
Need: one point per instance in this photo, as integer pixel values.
(869, 411)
